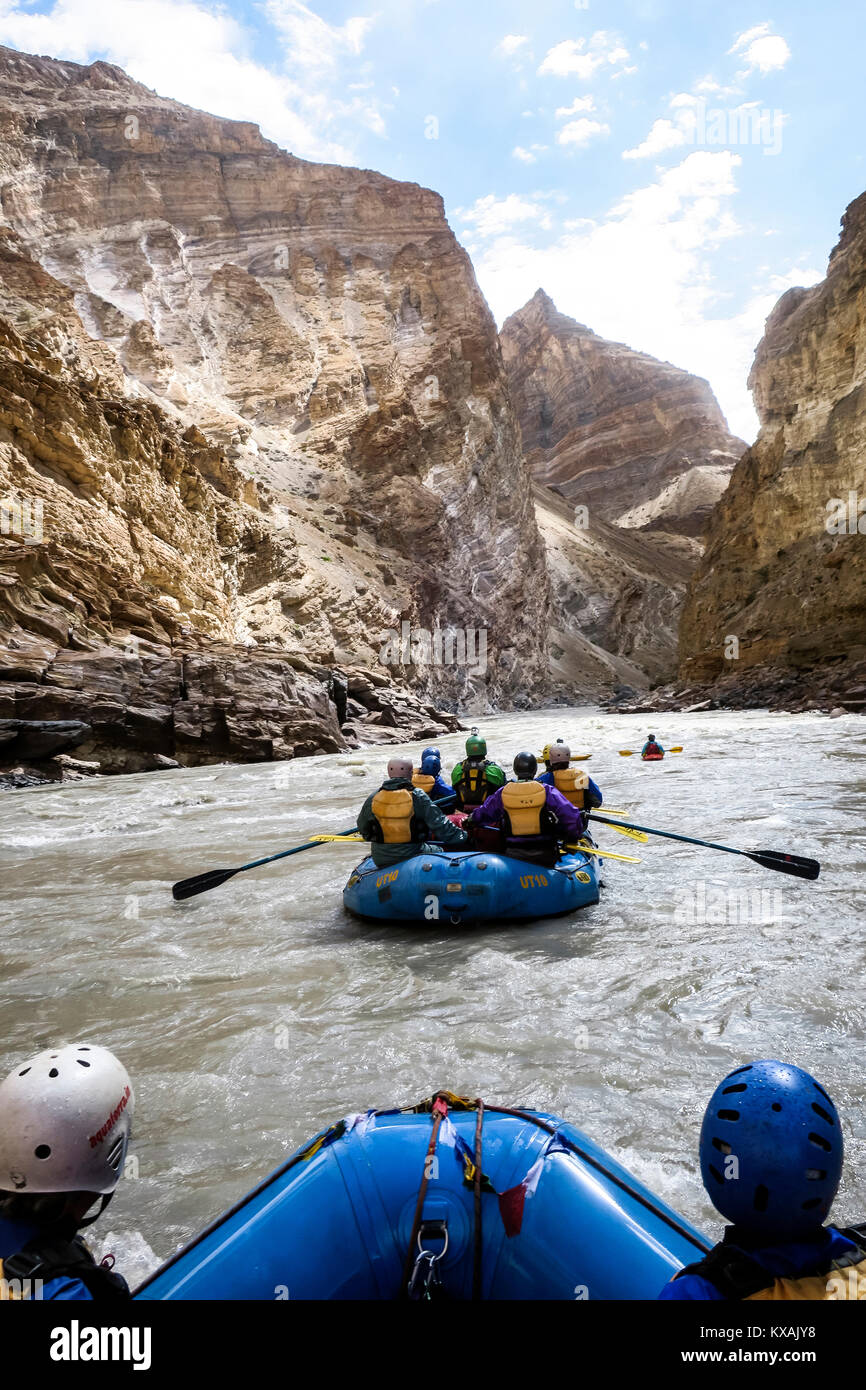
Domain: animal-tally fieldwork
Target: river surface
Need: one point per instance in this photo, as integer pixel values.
(252, 1016)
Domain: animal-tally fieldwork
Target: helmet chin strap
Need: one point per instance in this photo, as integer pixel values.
(89, 1220)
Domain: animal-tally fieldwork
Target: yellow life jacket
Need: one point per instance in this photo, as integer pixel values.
(472, 787)
(393, 811)
(740, 1278)
(423, 781)
(839, 1284)
(573, 785)
(524, 802)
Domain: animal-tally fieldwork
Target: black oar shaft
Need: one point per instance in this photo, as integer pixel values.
(794, 864)
(202, 883)
(667, 834)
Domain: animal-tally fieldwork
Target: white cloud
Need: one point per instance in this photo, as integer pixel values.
(202, 56)
(582, 57)
(311, 41)
(763, 50)
(665, 135)
(492, 217)
(510, 44)
(643, 274)
(579, 104)
(581, 132)
(526, 156)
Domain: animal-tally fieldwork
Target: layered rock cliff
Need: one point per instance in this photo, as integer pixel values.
(629, 454)
(780, 594)
(266, 397)
(132, 554)
(638, 442)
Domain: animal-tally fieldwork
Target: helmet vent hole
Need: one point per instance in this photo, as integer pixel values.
(816, 1174)
(740, 1070)
(716, 1174)
(81, 1062)
(115, 1155)
(729, 1090)
(825, 1114)
(54, 1072)
(84, 1049)
(775, 1105)
(811, 1204)
(761, 1198)
(728, 1114)
(24, 1072)
(42, 1151)
(821, 1142)
(722, 1147)
(822, 1092)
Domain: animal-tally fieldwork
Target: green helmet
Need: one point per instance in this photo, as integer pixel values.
(476, 746)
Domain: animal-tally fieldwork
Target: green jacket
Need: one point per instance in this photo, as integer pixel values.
(424, 811)
(493, 778)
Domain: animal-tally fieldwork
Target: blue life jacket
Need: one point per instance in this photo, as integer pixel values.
(57, 1260)
(829, 1267)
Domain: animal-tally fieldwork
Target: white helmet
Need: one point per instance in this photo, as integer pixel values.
(65, 1118)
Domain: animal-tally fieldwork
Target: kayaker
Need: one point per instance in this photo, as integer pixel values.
(576, 786)
(476, 776)
(651, 747)
(399, 818)
(65, 1122)
(771, 1160)
(533, 817)
(431, 781)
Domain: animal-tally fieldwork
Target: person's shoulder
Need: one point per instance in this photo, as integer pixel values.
(689, 1288)
(65, 1290)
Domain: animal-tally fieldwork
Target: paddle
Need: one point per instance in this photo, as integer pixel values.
(632, 834)
(793, 864)
(202, 883)
(603, 854)
(628, 752)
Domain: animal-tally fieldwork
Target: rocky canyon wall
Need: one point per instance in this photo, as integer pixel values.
(779, 598)
(640, 443)
(283, 418)
(629, 455)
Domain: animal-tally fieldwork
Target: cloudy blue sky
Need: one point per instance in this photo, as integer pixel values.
(663, 168)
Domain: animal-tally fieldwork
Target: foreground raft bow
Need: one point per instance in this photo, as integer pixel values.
(449, 1197)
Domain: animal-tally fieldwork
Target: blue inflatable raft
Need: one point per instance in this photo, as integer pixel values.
(471, 886)
(449, 1198)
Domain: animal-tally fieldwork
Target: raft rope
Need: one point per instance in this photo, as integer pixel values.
(439, 1109)
(465, 1103)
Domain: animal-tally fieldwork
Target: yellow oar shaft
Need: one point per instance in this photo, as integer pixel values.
(603, 854)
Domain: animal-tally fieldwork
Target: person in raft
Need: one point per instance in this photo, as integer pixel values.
(476, 776)
(771, 1160)
(399, 818)
(431, 781)
(532, 816)
(65, 1123)
(651, 747)
(576, 786)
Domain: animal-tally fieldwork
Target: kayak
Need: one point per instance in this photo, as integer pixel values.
(469, 886)
(515, 1205)
(651, 757)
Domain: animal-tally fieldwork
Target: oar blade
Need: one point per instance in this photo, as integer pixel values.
(201, 883)
(794, 864)
(626, 752)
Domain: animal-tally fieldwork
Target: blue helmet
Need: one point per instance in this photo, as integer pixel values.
(784, 1132)
(431, 762)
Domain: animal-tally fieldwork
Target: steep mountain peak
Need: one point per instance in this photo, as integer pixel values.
(541, 312)
(641, 443)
